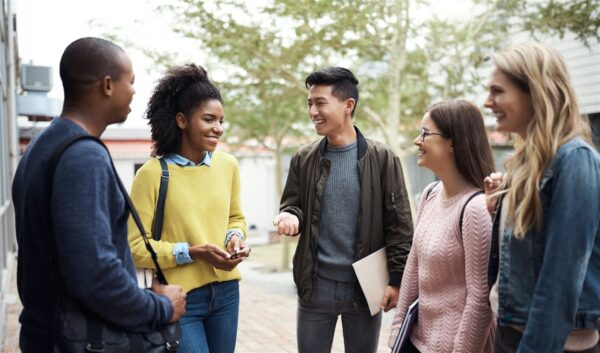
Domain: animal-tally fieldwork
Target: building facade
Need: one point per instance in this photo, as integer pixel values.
(8, 150)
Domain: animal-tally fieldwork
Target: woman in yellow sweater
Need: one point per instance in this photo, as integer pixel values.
(202, 238)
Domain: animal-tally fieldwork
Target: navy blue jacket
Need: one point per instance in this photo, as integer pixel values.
(89, 218)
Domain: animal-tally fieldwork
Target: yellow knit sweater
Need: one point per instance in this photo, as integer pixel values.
(202, 204)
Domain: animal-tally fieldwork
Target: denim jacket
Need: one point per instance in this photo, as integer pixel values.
(549, 281)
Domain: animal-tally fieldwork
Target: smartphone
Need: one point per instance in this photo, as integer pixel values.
(237, 254)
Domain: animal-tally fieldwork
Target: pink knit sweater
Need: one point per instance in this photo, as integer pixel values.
(448, 273)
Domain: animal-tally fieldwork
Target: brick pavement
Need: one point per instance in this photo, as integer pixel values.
(267, 315)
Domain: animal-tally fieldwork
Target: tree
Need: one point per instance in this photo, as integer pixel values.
(404, 62)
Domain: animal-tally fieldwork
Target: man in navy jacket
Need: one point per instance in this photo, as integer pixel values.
(73, 236)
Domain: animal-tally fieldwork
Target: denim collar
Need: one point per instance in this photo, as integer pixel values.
(175, 158)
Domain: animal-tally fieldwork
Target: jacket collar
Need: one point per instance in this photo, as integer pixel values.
(362, 144)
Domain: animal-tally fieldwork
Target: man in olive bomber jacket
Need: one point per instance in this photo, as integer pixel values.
(346, 195)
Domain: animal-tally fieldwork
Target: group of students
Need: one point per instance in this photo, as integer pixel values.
(499, 262)
(526, 279)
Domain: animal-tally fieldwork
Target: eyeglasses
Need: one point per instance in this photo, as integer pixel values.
(425, 133)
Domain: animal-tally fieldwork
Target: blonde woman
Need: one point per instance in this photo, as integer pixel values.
(545, 258)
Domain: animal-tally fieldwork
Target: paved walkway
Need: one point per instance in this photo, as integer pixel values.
(267, 315)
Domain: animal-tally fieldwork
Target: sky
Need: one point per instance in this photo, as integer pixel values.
(46, 27)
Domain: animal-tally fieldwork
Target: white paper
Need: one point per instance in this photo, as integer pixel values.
(373, 276)
(144, 277)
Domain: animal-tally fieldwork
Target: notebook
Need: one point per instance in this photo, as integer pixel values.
(373, 277)
(407, 324)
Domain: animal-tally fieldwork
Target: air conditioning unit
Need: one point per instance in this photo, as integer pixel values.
(36, 78)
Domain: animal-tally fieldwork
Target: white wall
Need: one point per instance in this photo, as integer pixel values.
(125, 168)
(260, 200)
(584, 66)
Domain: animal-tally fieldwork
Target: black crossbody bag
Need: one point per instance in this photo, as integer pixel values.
(78, 330)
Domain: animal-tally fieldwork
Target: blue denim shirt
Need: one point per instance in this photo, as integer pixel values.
(550, 280)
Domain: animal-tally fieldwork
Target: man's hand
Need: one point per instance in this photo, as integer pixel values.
(490, 184)
(286, 223)
(390, 298)
(238, 248)
(215, 256)
(175, 295)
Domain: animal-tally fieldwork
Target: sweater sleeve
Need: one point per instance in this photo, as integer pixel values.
(477, 315)
(237, 219)
(87, 206)
(409, 292)
(144, 194)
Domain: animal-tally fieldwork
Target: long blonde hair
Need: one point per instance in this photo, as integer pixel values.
(541, 71)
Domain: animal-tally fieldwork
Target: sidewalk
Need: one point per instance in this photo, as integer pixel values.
(9, 343)
(267, 315)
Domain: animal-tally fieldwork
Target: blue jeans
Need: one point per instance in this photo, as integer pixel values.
(318, 316)
(211, 318)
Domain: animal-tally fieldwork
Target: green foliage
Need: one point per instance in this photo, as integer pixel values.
(581, 17)
(403, 63)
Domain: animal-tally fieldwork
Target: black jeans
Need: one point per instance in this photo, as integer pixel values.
(317, 319)
(508, 338)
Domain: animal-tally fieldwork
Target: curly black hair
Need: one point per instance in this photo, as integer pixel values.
(182, 90)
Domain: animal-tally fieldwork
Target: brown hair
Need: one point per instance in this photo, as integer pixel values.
(462, 122)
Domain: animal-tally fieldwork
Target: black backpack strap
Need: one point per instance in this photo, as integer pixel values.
(431, 189)
(162, 196)
(462, 212)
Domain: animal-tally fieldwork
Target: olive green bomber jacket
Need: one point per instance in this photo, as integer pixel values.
(384, 217)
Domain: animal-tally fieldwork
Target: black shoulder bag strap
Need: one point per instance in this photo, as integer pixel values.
(95, 342)
(431, 189)
(162, 196)
(50, 181)
(462, 212)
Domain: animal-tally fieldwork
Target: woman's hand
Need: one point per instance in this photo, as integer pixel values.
(490, 184)
(215, 256)
(238, 248)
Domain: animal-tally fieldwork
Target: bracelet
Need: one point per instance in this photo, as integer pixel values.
(231, 233)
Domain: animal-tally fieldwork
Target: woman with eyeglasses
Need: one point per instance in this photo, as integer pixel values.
(447, 265)
(545, 257)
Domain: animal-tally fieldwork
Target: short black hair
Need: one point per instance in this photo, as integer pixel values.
(182, 90)
(86, 61)
(344, 84)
